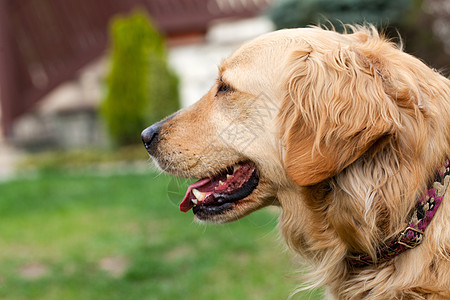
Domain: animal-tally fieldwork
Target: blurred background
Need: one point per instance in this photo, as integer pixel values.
(83, 214)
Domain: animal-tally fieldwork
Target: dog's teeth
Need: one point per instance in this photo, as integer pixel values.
(194, 201)
(199, 195)
(220, 183)
(235, 167)
(229, 176)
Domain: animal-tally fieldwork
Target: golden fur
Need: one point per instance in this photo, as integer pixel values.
(354, 131)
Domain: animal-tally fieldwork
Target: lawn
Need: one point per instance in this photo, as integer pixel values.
(87, 235)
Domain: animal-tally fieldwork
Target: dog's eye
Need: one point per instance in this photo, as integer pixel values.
(223, 87)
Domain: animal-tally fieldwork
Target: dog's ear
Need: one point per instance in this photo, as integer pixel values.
(335, 110)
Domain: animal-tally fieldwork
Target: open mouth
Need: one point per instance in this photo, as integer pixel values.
(218, 194)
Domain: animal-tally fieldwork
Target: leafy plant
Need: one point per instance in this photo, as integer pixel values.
(141, 88)
(406, 19)
(299, 13)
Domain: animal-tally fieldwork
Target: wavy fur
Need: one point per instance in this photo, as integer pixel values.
(377, 125)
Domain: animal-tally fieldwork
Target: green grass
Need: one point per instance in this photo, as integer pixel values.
(91, 236)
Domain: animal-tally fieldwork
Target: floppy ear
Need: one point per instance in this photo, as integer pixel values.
(335, 110)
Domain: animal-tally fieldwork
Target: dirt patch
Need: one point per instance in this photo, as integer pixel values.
(33, 271)
(179, 253)
(114, 266)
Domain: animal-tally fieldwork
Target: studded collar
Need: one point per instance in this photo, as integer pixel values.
(422, 215)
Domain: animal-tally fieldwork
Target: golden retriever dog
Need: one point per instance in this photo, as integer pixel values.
(349, 135)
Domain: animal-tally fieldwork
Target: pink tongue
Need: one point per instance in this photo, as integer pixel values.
(187, 204)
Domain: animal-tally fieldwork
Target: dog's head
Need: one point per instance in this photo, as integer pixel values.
(291, 108)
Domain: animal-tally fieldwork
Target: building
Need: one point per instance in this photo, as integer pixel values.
(52, 54)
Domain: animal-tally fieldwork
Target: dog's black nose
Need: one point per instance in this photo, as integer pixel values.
(150, 135)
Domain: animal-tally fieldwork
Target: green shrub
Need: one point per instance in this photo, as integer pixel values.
(141, 89)
(299, 13)
(395, 18)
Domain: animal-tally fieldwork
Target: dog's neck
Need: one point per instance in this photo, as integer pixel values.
(413, 235)
(355, 212)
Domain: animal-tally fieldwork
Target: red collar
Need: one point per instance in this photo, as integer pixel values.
(413, 235)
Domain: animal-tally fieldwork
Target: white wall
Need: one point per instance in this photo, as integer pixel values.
(197, 64)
